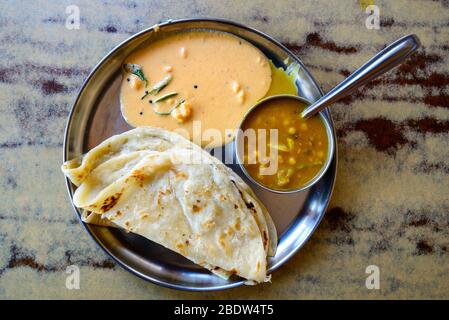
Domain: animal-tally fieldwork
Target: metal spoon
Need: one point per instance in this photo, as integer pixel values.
(382, 62)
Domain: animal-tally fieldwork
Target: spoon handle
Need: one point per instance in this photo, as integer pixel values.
(382, 62)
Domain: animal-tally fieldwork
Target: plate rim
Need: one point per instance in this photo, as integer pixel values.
(70, 118)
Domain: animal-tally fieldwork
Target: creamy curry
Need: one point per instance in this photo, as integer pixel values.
(209, 76)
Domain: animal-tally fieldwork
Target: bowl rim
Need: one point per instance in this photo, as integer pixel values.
(330, 148)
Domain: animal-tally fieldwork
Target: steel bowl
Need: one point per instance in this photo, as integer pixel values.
(330, 149)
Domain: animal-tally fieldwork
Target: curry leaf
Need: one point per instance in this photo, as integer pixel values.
(159, 86)
(165, 97)
(136, 70)
(170, 111)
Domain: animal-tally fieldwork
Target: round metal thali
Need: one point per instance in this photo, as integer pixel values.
(96, 116)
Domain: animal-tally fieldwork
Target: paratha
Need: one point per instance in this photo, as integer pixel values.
(161, 186)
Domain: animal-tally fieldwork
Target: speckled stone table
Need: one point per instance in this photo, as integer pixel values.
(391, 202)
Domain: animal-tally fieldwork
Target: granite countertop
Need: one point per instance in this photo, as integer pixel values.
(391, 202)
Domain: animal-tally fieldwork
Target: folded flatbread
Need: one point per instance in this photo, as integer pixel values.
(161, 186)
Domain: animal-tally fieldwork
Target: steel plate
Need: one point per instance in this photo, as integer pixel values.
(96, 116)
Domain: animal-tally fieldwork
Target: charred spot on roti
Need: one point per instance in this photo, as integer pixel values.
(249, 205)
(196, 208)
(229, 231)
(205, 191)
(144, 215)
(110, 202)
(265, 238)
(180, 246)
(139, 175)
(181, 175)
(208, 223)
(237, 224)
(159, 196)
(221, 239)
(250, 231)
